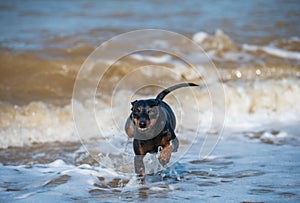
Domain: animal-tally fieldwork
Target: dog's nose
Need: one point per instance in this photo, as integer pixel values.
(142, 124)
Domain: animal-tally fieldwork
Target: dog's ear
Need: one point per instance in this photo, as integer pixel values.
(132, 103)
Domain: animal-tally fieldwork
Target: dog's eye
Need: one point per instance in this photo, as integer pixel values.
(138, 110)
(151, 111)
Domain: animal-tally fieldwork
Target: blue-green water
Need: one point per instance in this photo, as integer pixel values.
(29, 24)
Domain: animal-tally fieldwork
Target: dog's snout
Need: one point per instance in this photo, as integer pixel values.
(142, 124)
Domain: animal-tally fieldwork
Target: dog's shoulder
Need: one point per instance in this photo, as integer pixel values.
(129, 129)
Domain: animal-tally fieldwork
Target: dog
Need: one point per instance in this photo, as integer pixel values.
(152, 124)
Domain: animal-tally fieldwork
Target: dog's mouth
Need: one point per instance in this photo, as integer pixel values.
(147, 132)
(144, 129)
(151, 130)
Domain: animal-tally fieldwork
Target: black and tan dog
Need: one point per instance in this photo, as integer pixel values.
(152, 124)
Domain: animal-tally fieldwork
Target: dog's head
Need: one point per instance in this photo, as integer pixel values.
(146, 114)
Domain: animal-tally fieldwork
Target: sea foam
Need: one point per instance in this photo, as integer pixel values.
(249, 103)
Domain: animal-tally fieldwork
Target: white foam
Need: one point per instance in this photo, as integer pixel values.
(200, 37)
(276, 139)
(294, 39)
(35, 183)
(35, 122)
(154, 59)
(273, 51)
(255, 105)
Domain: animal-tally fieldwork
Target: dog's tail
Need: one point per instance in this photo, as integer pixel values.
(165, 92)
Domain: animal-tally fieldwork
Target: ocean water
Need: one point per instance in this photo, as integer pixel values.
(64, 103)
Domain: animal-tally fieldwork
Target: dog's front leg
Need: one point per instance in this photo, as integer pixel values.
(168, 147)
(140, 167)
(165, 154)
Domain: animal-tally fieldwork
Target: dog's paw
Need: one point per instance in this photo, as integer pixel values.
(141, 179)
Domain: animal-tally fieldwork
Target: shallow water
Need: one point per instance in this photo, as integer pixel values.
(254, 45)
(239, 170)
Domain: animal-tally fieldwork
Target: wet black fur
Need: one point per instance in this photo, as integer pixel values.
(141, 112)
